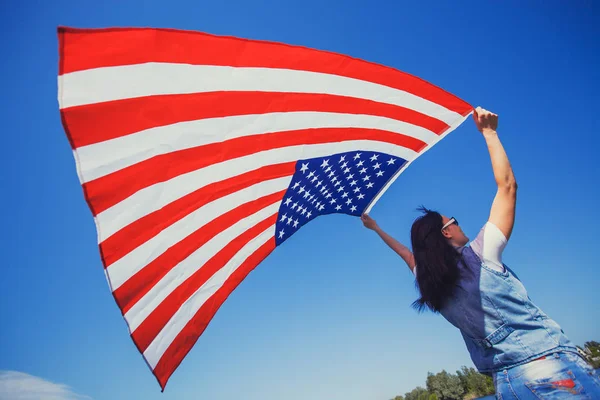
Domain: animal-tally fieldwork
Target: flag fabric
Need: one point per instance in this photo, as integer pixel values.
(199, 155)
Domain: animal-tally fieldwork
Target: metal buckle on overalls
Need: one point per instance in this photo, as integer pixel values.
(495, 337)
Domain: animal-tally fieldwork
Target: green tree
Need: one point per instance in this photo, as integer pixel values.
(423, 396)
(417, 393)
(474, 383)
(593, 350)
(398, 398)
(445, 386)
(433, 396)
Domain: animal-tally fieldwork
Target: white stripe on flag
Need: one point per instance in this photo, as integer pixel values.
(103, 158)
(182, 271)
(127, 266)
(155, 197)
(191, 306)
(130, 81)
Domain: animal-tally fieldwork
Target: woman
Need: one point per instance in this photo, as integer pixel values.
(507, 335)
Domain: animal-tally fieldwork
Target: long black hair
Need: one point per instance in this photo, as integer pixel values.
(436, 261)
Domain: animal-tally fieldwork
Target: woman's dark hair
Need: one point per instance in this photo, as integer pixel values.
(436, 261)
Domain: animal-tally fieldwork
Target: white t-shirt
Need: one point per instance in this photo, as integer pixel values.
(488, 245)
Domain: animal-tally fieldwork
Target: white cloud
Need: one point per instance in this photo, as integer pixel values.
(21, 386)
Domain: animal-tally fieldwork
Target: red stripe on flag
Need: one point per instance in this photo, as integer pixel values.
(154, 323)
(111, 189)
(94, 123)
(188, 336)
(95, 48)
(139, 284)
(145, 228)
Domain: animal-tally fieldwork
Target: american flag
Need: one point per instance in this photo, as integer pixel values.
(200, 154)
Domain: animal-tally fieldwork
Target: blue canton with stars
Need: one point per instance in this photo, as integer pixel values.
(342, 183)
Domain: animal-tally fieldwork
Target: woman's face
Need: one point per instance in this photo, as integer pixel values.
(453, 232)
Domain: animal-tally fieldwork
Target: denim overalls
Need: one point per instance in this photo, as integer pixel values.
(501, 326)
(512, 339)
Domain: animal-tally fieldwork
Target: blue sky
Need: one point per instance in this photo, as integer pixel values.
(318, 319)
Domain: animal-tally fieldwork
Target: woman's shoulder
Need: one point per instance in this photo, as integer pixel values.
(489, 245)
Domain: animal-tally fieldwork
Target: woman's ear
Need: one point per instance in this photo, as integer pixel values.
(446, 234)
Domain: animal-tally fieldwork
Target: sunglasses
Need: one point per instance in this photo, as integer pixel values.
(450, 222)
